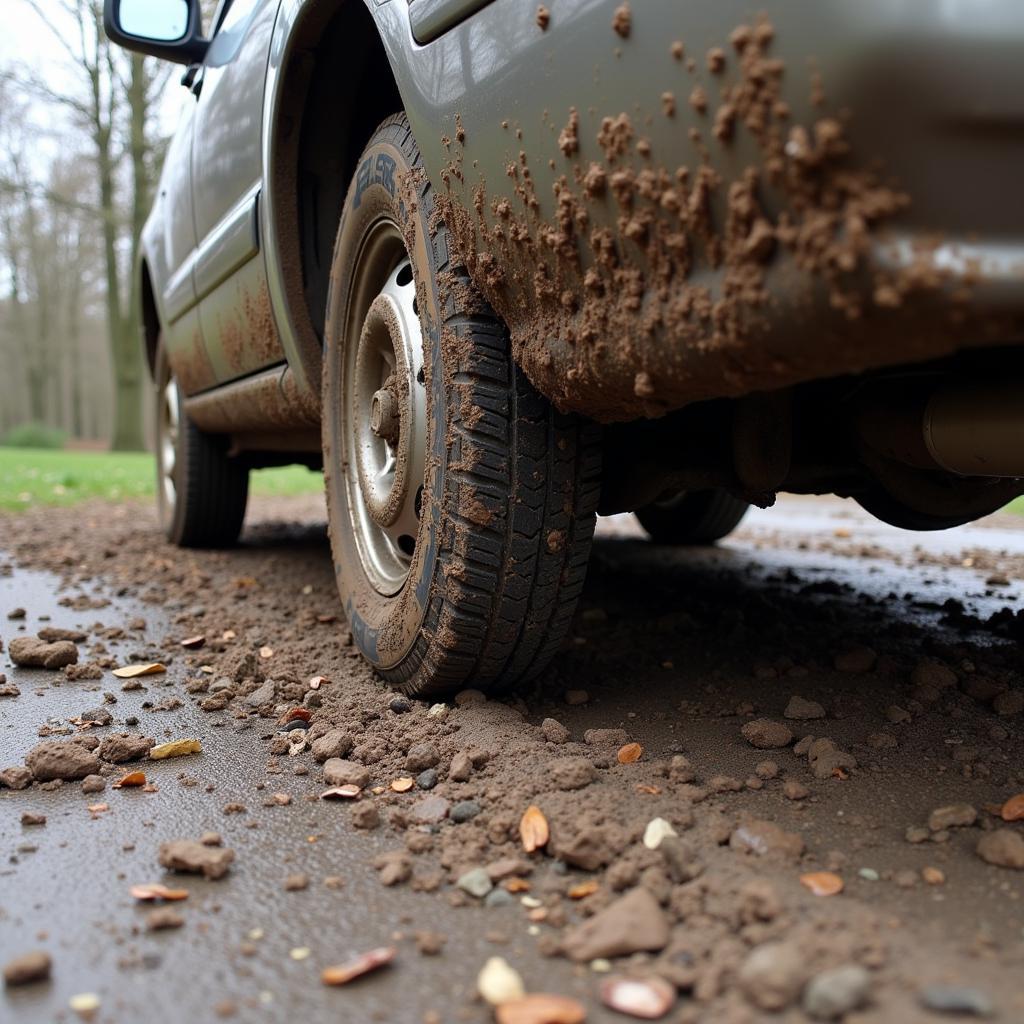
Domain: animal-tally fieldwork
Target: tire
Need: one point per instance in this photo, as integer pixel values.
(698, 517)
(201, 491)
(464, 567)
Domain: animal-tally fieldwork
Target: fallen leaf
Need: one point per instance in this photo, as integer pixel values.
(156, 891)
(402, 785)
(344, 973)
(647, 998)
(822, 883)
(587, 888)
(657, 829)
(541, 1008)
(296, 714)
(131, 779)
(347, 792)
(176, 748)
(533, 829)
(317, 681)
(648, 790)
(516, 885)
(193, 643)
(629, 753)
(498, 982)
(266, 652)
(1013, 809)
(154, 668)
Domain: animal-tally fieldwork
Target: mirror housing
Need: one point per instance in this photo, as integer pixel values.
(190, 48)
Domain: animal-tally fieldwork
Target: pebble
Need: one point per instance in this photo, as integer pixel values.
(333, 743)
(766, 734)
(869, 874)
(793, 789)
(345, 773)
(953, 816)
(429, 810)
(263, 694)
(497, 982)
(427, 779)
(28, 968)
(124, 747)
(61, 759)
(634, 923)
(365, 815)
(553, 731)
(15, 777)
(773, 974)
(498, 898)
(438, 711)
(834, 993)
(464, 810)
(477, 882)
(957, 999)
(399, 705)
(162, 918)
(649, 998)
(28, 818)
(1002, 847)
(767, 770)
(802, 710)
(31, 652)
(422, 756)
(186, 855)
(461, 767)
(296, 883)
(94, 784)
(916, 834)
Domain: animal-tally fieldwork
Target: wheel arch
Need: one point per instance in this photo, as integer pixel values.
(330, 83)
(150, 317)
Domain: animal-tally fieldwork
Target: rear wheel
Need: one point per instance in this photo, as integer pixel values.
(461, 505)
(201, 491)
(693, 517)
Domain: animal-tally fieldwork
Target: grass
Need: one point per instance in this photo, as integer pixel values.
(35, 476)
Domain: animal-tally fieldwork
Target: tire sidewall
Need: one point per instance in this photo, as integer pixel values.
(384, 628)
(171, 516)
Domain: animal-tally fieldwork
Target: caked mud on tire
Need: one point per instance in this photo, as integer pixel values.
(201, 491)
(484, 592)
(699, 517)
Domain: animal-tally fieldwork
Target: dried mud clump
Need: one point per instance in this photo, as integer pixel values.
(622, 20)
(543, 17)
(640, 285)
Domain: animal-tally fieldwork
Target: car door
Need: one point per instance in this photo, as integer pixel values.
(230, 276)
(171, 253)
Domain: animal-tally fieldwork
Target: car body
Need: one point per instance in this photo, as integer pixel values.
(773, 252)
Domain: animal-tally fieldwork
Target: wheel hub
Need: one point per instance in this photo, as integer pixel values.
(386, 423)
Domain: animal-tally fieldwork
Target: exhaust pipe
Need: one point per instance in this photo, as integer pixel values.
(970, 428)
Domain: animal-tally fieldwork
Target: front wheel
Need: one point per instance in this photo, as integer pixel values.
(693, 517)
(461, 505)
(201, 491)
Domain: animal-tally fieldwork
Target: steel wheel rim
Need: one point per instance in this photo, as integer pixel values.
(167, 445)
(384, 417)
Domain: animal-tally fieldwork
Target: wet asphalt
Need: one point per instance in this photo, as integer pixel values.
(251, 946)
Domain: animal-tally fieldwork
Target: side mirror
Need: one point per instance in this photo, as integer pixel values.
(167, 29)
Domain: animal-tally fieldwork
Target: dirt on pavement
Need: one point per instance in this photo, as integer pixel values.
(773, 775)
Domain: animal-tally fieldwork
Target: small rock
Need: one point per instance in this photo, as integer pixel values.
(345, 773)
(422, 756)
(61, 759)
(773, 974)
(162, 918)
(570, 773)
(16, 613)
(333, 743)
(99, 716)
(263, 694)
(957, 999)
(28, 818)
(1003, 847)
(827, 760)
(464, 810)
(634, 923)
(834, 993)
(766, 734)
(124, 747)
(477, 882)
(94, 784)
(461, 767)
(427, 779)
(648, 998)
(429, 810)
(792, 789)
(31, 652)
(497, 982)
(191, 857)
(553, 731)
(765, 837)
(8, 689)
(766, 770)
(953, 816)
(15, 777)
(365, 815)
(296, 883)
(28, 968)
(802, 710)
(399, 705)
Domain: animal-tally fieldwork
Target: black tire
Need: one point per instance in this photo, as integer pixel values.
(510, 486)
(210, 489)
(698, 517)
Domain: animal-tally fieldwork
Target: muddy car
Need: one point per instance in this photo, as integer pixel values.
(499, 267)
